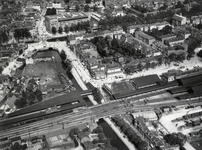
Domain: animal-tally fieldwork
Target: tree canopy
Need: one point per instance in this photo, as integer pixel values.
(51, 11)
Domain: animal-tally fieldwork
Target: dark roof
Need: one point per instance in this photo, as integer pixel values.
(120, 87)
(39, 115)
(197, 89)
(146, 80)
(69, 19)
(17, 138)
(63, 99)
(191, 81)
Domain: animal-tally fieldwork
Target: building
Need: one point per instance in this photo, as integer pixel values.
(144, 37)
(170, 75)
(114, 70)
(145, 81)
(146, 27)
(178, 20)
(16, 139)
(121, 87)
(98, 71)
(175, 41)
(167, 37)
(64, 19)
(151, 115)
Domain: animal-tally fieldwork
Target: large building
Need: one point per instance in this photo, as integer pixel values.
(144, 37)
(64, 19)
(179, 20)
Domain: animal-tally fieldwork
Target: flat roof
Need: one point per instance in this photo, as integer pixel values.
(63, 99)
(146, 80)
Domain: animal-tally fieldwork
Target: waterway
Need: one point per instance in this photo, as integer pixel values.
(114, 139)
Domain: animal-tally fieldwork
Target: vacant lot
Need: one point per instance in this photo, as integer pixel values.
(45, 71)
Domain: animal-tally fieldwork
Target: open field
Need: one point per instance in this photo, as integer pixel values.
(45, 71)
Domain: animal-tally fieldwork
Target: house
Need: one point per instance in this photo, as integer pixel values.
(178, 20)
(114, 70)
(170, 75)
(145, 81)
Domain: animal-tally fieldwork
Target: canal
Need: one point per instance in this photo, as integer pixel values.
(114, 139)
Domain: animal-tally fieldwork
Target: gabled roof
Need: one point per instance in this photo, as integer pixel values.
(146, 80)
(178, 17)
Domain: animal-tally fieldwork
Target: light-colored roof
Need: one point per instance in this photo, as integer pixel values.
(146, 114)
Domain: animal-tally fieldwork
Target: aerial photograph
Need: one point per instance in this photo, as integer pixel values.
(100, 74)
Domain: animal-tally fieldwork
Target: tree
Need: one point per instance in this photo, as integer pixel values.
(86, 8)
(66, 1)
(179, 5)
(1, 69)
(39, 95)
(97, 95)
(88, 1)
(17, 34)
(77, 8)
(60, 30)
(98, 130)
(73, 132)
(4, 38)
(95, 8)
(20, 102)
(66, 29)
(54, 30)
(63, 55)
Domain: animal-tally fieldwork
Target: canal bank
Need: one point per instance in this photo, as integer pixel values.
(112, 135)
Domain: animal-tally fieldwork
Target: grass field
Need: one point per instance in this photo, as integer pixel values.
(44, 70)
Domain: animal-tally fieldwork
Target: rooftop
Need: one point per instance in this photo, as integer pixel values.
(119, 87)
(178, 17)
(146, 80)
(144, 35)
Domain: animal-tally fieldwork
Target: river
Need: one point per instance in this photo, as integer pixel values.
(114, 139)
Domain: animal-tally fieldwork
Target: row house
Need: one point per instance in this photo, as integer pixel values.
(168, 37)
(137, 44)
(65, 19)
(144, 37)
(146, 27)
(175, 41)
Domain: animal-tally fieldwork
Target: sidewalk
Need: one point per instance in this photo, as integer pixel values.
(128, 144)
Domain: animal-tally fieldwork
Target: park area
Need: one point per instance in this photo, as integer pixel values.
(45, 71)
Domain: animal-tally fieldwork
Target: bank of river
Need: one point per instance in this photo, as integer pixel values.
(114, 139)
